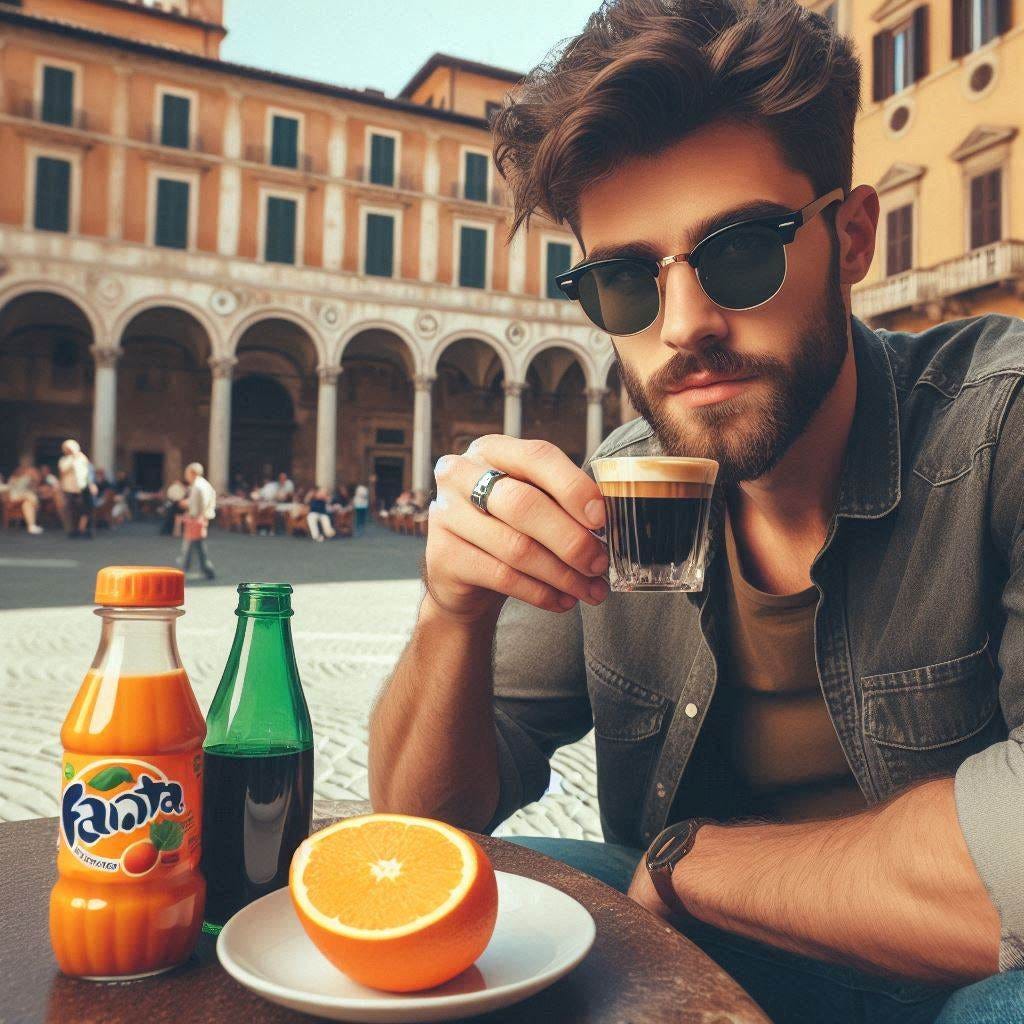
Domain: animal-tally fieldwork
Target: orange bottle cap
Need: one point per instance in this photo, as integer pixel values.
(140, 586)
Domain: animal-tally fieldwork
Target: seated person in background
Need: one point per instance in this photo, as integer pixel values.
(22, 490)
(341, 499)
(266, 492)
(102, 484)
(404, 503)
(285, 489)
(173, 497)
(318, 517)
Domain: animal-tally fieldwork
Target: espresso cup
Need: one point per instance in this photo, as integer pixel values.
(657, 510)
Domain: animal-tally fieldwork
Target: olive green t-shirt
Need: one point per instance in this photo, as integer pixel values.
(777, 734)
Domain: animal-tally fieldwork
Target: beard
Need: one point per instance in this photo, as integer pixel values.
(747, 435)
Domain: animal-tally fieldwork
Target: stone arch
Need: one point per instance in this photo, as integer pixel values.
(27, 287)
(278, 313)
(126, 316)
(46, 391)
(591, 374)
(414, 360)
(554, 407)
(481, 336)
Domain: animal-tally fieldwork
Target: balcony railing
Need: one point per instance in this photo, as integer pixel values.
(496, 196)
(262, 155)
(991, 264)
(33, 110)
(406, 182)
(154, 135)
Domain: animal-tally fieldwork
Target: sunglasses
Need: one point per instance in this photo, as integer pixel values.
(739, 267)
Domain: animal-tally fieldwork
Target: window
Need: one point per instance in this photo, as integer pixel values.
(174, 121)
(900, 55)
(476, 177)
(390, 435)
(559, 261)
(58, 93)
(382, 159)
(279, 245)
(284, 141)
(977, 22)
(53, 192)
(171, 213)
(380, 244)
(472, 257)
(986, 208)
(898, 236)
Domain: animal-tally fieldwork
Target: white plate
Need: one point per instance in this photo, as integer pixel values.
(540, 935)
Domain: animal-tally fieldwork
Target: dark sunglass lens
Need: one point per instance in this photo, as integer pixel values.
(743, 267)
(620, 297)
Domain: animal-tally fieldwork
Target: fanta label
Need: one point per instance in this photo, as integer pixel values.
(131, 815)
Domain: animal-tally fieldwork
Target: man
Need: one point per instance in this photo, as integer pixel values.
(201, 506)
(845, 698)
(75, 471)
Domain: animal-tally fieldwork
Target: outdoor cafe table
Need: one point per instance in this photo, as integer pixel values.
(639, 969)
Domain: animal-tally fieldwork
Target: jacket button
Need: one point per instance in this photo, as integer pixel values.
(691, 710)
(660, 790)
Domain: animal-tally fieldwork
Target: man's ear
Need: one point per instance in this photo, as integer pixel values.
(856, 230)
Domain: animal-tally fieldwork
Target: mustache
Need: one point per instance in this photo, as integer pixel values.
(716, 361)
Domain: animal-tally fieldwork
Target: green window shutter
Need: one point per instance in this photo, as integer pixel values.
(280, 241)
(380, 244)
(559, 261)
(476, 177)
(473, 257)
(174, 126)
(53, 192)
(171, 213)
(382, 159)
(284, 147)
(58, 93)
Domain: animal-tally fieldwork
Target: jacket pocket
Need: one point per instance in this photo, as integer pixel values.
(923, 722)
(628, 721)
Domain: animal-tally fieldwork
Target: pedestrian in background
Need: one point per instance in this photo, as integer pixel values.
(201, 507)
(75, 471)
(361, 503)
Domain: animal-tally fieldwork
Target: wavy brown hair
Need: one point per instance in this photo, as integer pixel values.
(644, 73)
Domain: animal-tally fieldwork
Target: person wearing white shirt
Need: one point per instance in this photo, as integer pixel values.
(361, 504)
(201, 506)
(74, 467)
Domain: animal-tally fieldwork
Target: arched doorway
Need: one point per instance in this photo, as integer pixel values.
(163, 396)
(555, 401)
(46, 378)
(469, 398)
(262, 428)
(273, 430)
(375, 424)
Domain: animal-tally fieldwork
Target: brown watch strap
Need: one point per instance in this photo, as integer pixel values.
(667, 850)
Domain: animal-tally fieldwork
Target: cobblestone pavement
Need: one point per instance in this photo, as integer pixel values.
(355, 602)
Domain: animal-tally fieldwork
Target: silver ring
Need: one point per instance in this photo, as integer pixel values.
(482, 491)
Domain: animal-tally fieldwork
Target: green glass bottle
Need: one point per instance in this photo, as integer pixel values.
(258, 771)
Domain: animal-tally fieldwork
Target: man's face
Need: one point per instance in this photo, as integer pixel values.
(190, 476)
(785, 355)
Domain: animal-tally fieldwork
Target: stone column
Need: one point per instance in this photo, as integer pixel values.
(116, 176)
(513, 407)
(229, 206)
(595, 418)
(218, 463)
(327, 427)
(104, 409)
(429, 210)
(422, 475)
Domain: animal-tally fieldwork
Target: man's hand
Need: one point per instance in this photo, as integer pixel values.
(642, 891)
(535, 545)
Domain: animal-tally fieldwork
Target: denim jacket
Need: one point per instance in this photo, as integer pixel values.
(919, 625)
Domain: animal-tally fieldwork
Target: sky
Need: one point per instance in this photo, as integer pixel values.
(382, 43)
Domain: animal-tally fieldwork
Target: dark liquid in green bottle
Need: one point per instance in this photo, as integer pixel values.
(257, 809)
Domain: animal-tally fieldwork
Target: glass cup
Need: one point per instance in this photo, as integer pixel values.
(657, 510)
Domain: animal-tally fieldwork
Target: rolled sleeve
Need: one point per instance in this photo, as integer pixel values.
(540, 699)
(989, 785)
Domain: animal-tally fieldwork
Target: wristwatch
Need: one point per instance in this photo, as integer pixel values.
(667, 850)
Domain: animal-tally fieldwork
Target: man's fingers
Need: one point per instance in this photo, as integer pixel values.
(547, 467)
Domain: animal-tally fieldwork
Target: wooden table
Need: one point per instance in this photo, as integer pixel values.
(638, 971)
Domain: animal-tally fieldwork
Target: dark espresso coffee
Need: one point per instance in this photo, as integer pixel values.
(656, 520)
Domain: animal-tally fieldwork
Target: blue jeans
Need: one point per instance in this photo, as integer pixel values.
(799, 990)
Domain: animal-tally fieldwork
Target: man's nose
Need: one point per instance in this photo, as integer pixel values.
(690, 320)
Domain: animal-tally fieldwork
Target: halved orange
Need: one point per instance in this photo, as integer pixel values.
(396, 902)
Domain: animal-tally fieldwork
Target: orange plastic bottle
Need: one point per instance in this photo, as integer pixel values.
(129, 896)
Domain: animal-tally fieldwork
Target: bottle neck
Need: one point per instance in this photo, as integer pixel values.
(137, 641)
